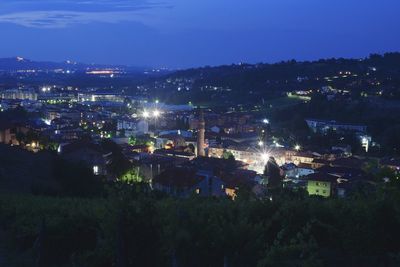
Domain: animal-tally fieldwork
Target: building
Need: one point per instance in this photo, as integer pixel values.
(100, 97)
(6, 135)
(133, 127)
(294, 172)
(9, 132)
(186, 181)
(201, 136)
(325, 125)
(303, 157)
(253, 157)
(20, 94)
(243, 180)
(321, 184)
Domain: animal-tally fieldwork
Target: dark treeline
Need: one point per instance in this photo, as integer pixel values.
(133, 227)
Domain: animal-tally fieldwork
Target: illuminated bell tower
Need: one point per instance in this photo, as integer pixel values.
(201, 135)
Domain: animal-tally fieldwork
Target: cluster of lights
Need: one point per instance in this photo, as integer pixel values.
(46, 89)
(151, 114)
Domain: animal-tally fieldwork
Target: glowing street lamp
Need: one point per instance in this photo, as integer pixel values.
(260, 143)
(156, 113)
(146, 114)
(265, 121)
(265, 157)
(297, 147)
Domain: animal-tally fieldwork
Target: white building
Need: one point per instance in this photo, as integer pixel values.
(133, 127)
(20, 94)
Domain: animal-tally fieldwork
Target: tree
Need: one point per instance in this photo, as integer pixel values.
(119, 163)
(21, 137)
(227, 155)
(132, 140)
(273, 175)
(130, 177)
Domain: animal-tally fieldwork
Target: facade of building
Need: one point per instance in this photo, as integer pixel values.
(321, 184)
(20, 94)
(133, 127)
(325, 125)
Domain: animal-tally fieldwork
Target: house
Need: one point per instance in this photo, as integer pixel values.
(343, 173)
(348, 162)
(321, 184)
(318, 163)
(243, 179)
(303, 157)
(9, 132)
(68, 133)
(153, 165)
(295, 172)
(175, 153)
(186, 181)
(6, 133)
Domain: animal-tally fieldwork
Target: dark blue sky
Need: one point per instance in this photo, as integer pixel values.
(184, 33)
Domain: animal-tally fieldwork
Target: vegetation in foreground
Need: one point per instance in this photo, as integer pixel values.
(132, 226)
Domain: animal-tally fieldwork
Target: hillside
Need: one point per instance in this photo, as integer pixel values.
(249, 83)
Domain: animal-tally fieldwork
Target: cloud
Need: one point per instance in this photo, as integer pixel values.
(61, 13)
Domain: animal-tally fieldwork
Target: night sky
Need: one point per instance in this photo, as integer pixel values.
(185, 33)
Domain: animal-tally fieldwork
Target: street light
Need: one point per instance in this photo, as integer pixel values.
(297, 147)
(260, 143)
(146, 114)
(265, 121)
(156, 113)
(265, 157)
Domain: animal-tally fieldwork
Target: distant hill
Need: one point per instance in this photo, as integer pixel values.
(19, 63)
(69, 73)
(253, 82)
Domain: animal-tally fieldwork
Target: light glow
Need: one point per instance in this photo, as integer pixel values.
(156, 113)
(146, 114)
(265, 157)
